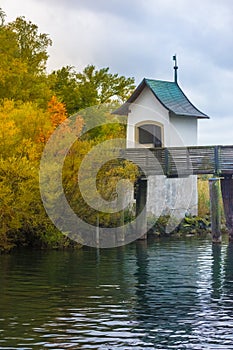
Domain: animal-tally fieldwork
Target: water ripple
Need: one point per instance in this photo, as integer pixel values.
(175, 294)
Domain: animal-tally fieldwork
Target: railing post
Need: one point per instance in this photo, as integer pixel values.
(216, 160)
(166, 156)
(215, 213)
(227, 196)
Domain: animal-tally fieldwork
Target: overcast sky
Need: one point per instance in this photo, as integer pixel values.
(138, 38)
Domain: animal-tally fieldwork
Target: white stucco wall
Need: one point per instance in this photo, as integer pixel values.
(186, 128)
(146, 108)
(176, 197)
(177, 131)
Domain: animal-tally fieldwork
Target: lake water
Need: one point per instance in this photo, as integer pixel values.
(166, 294)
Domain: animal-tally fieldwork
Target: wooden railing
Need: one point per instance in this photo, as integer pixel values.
(182, 161)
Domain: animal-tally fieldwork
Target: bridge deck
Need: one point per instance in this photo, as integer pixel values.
(183, 161)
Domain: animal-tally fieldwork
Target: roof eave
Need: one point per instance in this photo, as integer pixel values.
(122, 110)
(202, 116)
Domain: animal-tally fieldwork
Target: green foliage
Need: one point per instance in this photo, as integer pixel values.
(102, 86)
(31, 45)
(89, 88)
(23, 60)
(19, 195)
(188, 225)
(64, 85)
(12, 68)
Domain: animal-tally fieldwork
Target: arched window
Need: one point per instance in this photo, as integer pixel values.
(150, 135)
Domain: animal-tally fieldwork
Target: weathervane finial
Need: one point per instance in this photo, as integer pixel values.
(175, 68)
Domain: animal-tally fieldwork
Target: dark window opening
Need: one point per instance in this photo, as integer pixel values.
(150, 134)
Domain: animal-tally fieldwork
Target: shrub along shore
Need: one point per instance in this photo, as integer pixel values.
(48, 237)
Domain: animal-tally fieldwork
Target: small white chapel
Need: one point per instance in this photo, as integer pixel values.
(159, 114)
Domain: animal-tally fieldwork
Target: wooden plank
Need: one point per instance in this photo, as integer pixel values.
(226, 159)
(183, 161)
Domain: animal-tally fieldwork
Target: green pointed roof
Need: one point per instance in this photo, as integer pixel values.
(170, 96)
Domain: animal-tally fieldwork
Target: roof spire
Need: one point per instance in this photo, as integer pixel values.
(175, 68)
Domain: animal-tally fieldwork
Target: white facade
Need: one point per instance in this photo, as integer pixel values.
(165, 195)
(176, 131)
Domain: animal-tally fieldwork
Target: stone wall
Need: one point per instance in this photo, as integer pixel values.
(176, 197)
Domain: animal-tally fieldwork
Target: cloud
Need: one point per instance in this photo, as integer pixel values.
(138, 38)
(128, 9)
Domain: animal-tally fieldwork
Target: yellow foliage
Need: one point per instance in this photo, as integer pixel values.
(203, 197)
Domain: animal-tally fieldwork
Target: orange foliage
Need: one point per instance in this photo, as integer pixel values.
(57, 115)
(43, 136)
(57, 111)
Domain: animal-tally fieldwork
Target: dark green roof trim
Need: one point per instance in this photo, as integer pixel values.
(169, 95)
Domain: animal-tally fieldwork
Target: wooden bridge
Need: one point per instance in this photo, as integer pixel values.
(185, 161)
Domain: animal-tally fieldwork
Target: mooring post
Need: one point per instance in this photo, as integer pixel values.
(227, 197)
(97, 231)
(141, 198)
(215, 213)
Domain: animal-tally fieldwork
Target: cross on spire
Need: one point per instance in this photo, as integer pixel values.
(175, 68)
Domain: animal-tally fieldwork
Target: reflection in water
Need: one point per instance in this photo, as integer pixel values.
(168, 294)
(167, 301)
(142, 277)
(217, 272)
(228, 269)
(213, 324)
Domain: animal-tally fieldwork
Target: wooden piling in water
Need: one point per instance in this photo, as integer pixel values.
(227, 196)
(97, 231)
(215, 213)
(141, 198)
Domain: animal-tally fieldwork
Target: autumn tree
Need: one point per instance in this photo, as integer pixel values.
(64, 85)
(103, 86)
(23, 58)
(89, 88)
(20, 129)
(32, 45)
(12, 69)
(23, 220)
(57, 111)
(32, 105)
